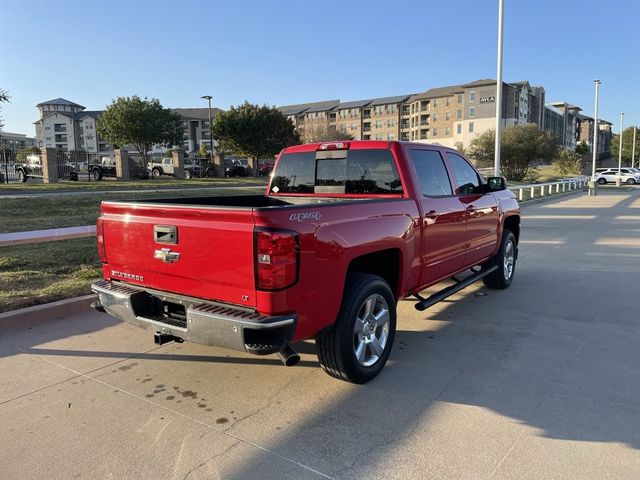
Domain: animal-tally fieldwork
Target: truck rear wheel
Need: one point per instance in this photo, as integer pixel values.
(357, 347)
(506, 261)
(21, 176)
(97, 174)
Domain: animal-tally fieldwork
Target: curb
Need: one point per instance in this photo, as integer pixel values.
(45, 311)
(49, 235)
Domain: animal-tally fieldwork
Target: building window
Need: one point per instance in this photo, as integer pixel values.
(446, 131)
(459, 114)
(435, 117)
(459, 98)
(434, 132)
(435, 102)
(472, 112)
(472, 96)
(447, 101)
(470, 127)
(459, 128)
(378, 123)
(390, 136)
(447, 115)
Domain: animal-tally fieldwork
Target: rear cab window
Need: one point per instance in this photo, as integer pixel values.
(337, 172)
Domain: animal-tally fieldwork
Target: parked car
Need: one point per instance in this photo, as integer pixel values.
(627, 176)
(265, 167)
(344, 231)
(235, 168)
(191, 168)
(32, 167)
(106, 168)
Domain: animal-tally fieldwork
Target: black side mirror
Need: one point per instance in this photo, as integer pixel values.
(496, 184)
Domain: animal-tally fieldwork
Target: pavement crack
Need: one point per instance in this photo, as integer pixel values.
(206, 462)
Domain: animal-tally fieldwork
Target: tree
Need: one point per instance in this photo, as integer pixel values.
(568, 162)
(253, 131)
(202, 151)
(140, 123)
(582, 148)
(4, 97)
(520, 145)
(627, 145)
(324, 133)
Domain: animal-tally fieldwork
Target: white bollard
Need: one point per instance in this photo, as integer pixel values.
(533, 192)
(521, 194)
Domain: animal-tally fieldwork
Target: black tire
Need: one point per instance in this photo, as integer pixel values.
(97, 174)
(631, 181)
(156, 173)
(337, 347)
(22, 178)
(602, 181)
(503, 276)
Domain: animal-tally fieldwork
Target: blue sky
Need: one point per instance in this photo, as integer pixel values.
(281, 52)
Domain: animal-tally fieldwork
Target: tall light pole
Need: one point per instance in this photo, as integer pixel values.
(619, 178)
(496, 170)
(208, 98)
(633, 148)
(593, 187)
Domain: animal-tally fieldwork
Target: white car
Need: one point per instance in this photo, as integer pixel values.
(627, 176)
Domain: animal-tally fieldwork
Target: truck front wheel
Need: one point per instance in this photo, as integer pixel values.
(357, 347)
(506, 261)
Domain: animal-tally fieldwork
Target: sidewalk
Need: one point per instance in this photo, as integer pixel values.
(39, 236)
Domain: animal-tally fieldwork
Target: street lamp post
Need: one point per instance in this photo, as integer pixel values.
(499, 90)
(619, 178)
(593, 187)
(633, 148)
(208, 98)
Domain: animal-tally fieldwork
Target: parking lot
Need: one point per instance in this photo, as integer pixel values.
(538, 381)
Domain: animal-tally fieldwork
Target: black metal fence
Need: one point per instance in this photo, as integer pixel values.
(16, 166)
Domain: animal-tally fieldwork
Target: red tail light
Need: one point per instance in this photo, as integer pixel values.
(276, 259)
(100, 234)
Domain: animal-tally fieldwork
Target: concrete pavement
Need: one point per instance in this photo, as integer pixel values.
(538, 381)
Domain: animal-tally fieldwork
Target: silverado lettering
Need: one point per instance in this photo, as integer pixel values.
(257, 273)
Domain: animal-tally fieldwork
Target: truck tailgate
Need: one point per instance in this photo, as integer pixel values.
(215, 247)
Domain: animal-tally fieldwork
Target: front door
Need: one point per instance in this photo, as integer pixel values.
(482, 211)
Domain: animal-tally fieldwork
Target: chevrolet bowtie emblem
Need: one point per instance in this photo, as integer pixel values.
(166, 255)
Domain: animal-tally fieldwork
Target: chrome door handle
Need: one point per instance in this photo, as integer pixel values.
(431, 215)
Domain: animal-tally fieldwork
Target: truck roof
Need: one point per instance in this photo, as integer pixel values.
(359, 145)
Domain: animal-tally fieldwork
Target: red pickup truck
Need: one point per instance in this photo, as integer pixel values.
(344, 231)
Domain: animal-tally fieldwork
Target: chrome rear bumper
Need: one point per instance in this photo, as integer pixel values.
(195, 320)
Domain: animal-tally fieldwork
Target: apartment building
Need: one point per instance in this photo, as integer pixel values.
(585, 133)
(67, 126)
(452, 116)
(562, 120)
(15, 141)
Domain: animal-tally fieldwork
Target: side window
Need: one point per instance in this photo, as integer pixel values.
(372, 171)
(466, 177)
(432, 174)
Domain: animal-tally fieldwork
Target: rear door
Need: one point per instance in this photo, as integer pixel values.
(443, 217)
(482, 217)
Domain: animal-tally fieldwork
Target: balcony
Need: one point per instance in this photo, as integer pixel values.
(60, 128)
(366, 127)
(424, 122)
